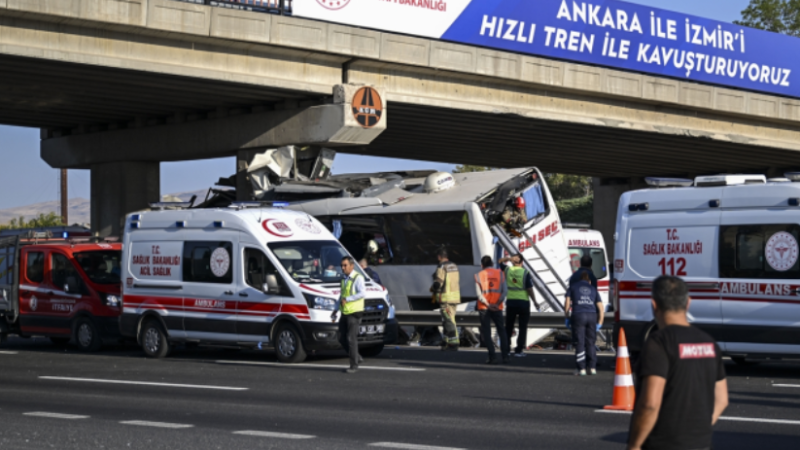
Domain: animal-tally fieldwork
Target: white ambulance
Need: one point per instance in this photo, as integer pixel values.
(242, 277)
(734, 239)
(583, 241)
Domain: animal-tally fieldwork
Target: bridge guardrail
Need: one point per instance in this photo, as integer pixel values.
(282, 7)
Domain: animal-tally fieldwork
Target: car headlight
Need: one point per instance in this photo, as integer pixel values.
(112, 300)
(316, 302)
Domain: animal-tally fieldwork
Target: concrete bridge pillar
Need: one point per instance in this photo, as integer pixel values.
(606, 200)
(119, 188)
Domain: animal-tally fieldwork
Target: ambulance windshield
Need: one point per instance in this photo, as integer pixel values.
(102, 267)
(598, 260)
(311, 261)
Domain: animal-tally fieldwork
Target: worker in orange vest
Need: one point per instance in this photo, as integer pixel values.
(490, 284)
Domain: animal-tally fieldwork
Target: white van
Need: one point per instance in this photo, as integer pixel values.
(582, 241)
(243, 277)
(734, 239)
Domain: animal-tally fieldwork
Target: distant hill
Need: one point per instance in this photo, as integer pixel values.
(79, 208)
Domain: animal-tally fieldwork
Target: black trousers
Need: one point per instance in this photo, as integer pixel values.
(348, 336)
(521, 309)
(487, 317)
(584, 331)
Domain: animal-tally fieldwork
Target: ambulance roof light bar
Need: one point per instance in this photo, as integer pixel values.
(258, 204)
(729, 180)
(668, 182)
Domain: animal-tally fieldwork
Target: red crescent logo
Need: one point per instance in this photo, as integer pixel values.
(277, 228)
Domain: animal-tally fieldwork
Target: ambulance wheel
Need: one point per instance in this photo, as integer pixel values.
(154, 339)
(289, 345)
(371, 352)
(86, 335)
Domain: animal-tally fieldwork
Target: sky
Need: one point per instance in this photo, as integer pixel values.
(26, 179)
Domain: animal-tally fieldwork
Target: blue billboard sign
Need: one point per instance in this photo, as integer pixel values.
(608, 33)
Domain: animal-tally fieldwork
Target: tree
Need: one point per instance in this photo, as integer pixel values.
(778, 16)
(42, 221)
(466, 168)
(565, 187)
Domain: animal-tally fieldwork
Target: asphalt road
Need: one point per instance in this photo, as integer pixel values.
(59, 398)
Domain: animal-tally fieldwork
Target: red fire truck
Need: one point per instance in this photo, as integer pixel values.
(60, 288)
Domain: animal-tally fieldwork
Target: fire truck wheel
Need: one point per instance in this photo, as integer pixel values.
(154, 339)
(86, 335)
(371, 351)
(289, 345)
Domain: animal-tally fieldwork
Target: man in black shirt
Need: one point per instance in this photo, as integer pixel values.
(682, 387)
(586, 267)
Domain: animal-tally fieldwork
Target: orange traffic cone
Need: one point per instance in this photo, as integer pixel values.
(624, 395)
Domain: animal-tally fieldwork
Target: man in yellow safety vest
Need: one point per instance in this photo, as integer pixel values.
(446, 291)
(520, 289)
(351, 303)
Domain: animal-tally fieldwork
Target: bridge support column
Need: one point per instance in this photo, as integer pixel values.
(119, 188)
(606, 200)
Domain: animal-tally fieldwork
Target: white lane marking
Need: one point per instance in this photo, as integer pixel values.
(411, 446)
(146, 383)
(728, 418)
(787, 385)
(322, 366)
(749, 419)
(271, 434)
(145, 423)
(7, 352)
(55, 415)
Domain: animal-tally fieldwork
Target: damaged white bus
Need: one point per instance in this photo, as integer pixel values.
(398, 221)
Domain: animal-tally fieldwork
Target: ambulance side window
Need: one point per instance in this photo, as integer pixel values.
(208, 262)
(258, 267)
(35, 267)
(759, 251)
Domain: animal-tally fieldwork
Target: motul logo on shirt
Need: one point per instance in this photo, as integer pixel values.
(697, 351)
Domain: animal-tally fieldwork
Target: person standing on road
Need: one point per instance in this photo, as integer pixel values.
(520, 289)
(586, 319)
(682, 386)
(586, 267)
(446, 291)
(351, 303)
(490, 284)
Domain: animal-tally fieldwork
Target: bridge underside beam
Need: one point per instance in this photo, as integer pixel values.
(330, 125)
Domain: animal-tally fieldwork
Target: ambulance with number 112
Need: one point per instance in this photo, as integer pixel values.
(734, 240)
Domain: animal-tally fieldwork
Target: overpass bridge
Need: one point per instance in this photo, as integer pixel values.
(117, 87)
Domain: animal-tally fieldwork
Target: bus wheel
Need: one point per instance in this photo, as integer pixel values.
(371, 351)
(86, 335)
(289, 345)
(154, 339)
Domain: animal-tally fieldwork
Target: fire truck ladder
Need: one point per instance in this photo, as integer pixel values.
(541, 286)
(539, 283)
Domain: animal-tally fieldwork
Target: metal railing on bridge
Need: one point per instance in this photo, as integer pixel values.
(282, 7)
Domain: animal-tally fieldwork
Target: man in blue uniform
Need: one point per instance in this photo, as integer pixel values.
(586, 267)
(587, 315)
